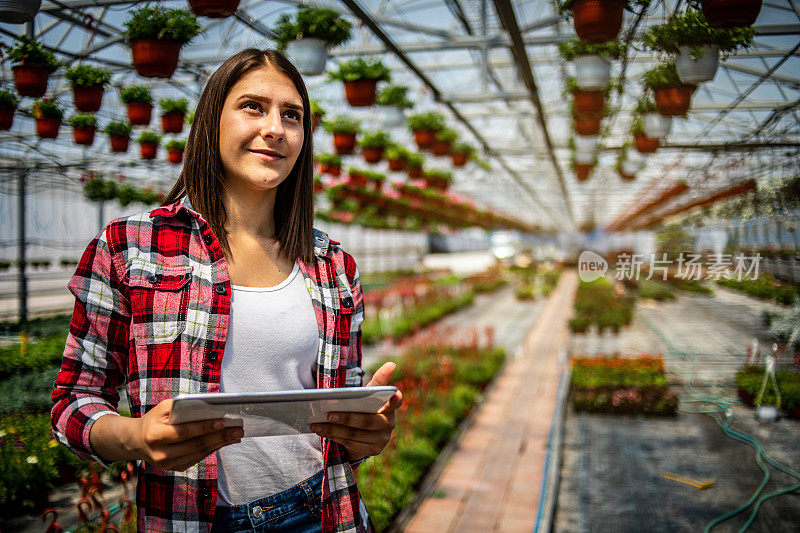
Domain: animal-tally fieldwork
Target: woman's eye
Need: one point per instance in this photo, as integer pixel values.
(295, 115)
(251, 105)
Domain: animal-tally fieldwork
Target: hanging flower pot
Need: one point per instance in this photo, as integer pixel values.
(694, 71)
(148, 150)
(414, 172)
(155, 58)
(6, 117)
(592, 72)
(645, 145)
(597, 21)
(587, 125)
(84, 136)
(18, 11)
(31, 80)
(88, 84)
(119, 143)
(440, 147)
(625, 176)
(155, 35)
(119, 134)
(32, 65)
(588, 102)
(726, 14)
(628, 169)
(333, 170)
(584, 158)
(582, 171)
(585, 143)
(373, 144)
(397, 164)
(306, 37)
(344, 143)
(308, 55)
(656, 125)
(372, 154)
(673, 100)
(360, 93)
(356, 178)
(48, 115)
(175, 156)
(459, 160)
(139, 114)
(360, 79)
(87, 99)
(214, 9)
(172, 122)
(47, 127)
(424, 138)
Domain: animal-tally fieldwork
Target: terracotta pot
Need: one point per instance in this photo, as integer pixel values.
(119, 143)
(87, 99)
(673, 100)
(172, 122)
(155, 58)
(441, 148)
(139, 113)
(84, 136)
(424, 138)
(414, 172)
(372, 155)
(315, 118)
(397, 164)
(645, 145)
(360, 93)
(597, 21)
(148, 150)
(214, 9)
(175, 156)
(318, 188)
(587, 125)
(730, 13)
(459, 160)
(6, 117)
(47, 127)
(626, 177)
(588, 103)
(31, 80)
(344, 143)
(333, 170)
(582, 171)
(357, 180)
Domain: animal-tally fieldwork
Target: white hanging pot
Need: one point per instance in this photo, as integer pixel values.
(308, 55)
(18, 11)
(392, 116)
(629, 167)
(635, 159)
(656, 126)
(697, 71)
(584, 158)
(592, 72)
(585, 143)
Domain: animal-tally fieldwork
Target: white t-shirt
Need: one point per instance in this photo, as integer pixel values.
(272, 345)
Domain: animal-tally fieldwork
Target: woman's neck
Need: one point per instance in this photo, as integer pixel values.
(249, 214)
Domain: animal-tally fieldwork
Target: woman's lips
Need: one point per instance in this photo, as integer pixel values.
(267, 157)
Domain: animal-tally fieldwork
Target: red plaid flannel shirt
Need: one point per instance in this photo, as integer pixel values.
(152, 304)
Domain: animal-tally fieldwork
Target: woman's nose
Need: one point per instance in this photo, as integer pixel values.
(273, 125)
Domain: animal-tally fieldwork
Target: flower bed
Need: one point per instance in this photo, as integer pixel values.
(441, 384)
(535, 283)
(621, 386)
(653, 290)
(599, 303)
(750, 378)
(765, 287)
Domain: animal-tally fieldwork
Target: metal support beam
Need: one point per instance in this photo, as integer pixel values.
(22, 278)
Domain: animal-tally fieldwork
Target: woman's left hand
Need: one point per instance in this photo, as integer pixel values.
(364, 434)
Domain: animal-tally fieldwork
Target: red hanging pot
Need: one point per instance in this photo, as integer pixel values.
(84, 136)
(414, 172)
(372, 155)
(47, 127)
(333, 170)
(645, 145)
(214, 9)
(119, 143)
(597, 21)
(155, 58)
(588, 103)
(582, 171)
(140, 113)
(172, 122)
(587, 125)
(148, 150)
(424, 138)
(626, 177)
(725, 14)
(360, 93)
(31, 80)
(344, 143)
(315, 118)
(459, 160)
(357, 180)
(87, 99)
(6, 117)
(397, 164)
(175, 156)
(673, 100)
(441, 148)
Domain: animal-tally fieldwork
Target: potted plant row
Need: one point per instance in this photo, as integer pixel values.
(592, 62)
(393, 101)
(48, 114)
(32, 66)
(373, 144)
(344, 130)
(306, 38)
(173, 114)
(8, 106)
(139, 104)
(672, 96)
(360, 78)
(424, 127)
(88, 84)
(155, 35)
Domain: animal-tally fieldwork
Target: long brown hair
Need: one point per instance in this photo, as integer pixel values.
(202, 177)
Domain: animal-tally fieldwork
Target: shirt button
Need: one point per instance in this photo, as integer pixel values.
(347, 302)
(206, 492)
(220, 289)
(152, 278)
(207, 239)
(257, 511)
(212, 357)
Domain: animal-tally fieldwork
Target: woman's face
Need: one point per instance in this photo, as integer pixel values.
(261, 130)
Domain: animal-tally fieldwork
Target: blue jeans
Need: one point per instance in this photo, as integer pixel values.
(296, 509)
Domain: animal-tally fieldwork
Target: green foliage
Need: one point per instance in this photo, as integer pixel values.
(88, 76)
(597, 303)
(28, 392)
(47, 107)
(750, 378)
(463, 148)
(644, 106)
(394, 95)
(765, 287)
(329, 159)
(637, 126)
(100, 190)
(83, 121)
(316, 109)
(176, 144)
(342, 124)
(140, 95)
(396, 151)
(36, 355)
(673, 240)
(447, 134)
(653, 290)
(174, 105)
(154, 21)
(118, 128)
(575, 48)
(41, 326)
(29, 52)
(689, 28)
(375, 139)
(663, 75)
(429, 121)
(785, 327)
(312, 23)
(8, 99)
(439, 175)
(415, 160)
(149, 137)
(359, 69)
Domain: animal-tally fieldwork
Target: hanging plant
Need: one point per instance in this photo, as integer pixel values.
(673, 97)
(626, 165)
(83, 129)
(586, 103)
(148, 144)
(582, 170)
(32, 66)
(19, 11)
(445, 138)
(414, 163)
(119, 136)
(48, 115)
(374, 179)
(598, 21)
(438, 179)
(397, 156)
(306, 38)
(592, 62)
(393, 101)
(344, 130)
(726, 14)
(424, 127)
(175, 149)
(373, 145)
(644, 144)
(214, 9)
(656, 125)
(360, 78)
(461, 153)
(8, 106)
(98, 189)
(173, 114)
(139, 104)
(155, 35)
(329, 164)
(317, 114)
(88, 84)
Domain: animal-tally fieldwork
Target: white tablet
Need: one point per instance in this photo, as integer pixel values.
(278, 413)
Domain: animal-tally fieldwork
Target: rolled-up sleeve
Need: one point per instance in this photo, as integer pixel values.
(355, 374)
(96, 349)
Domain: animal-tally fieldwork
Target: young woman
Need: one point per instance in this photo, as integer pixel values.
(226, 287)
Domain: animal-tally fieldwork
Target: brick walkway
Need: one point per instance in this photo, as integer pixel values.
(493, 479)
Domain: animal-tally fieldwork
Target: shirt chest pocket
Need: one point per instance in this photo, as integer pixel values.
(159, 302)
